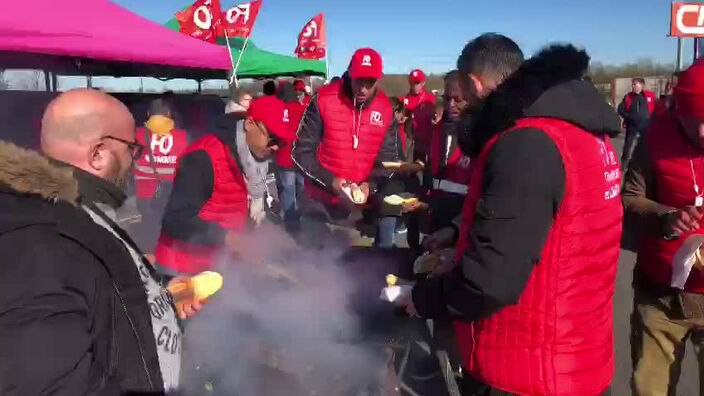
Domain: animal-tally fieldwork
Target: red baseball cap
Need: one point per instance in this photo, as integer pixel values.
(272, 112)
(366, 63)
(299, 85)
(689, 92)
(416, 76)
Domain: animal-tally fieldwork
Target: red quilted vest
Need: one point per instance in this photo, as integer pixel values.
(558, 339)
(423, 108)
(674, 186)
(227, 206)
(341, 122)
(166, 150)
(649, 97)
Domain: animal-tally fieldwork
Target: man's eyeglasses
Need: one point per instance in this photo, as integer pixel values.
(136, 148)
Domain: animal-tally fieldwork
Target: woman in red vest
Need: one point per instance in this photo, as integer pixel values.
(543, 220)
(208, 205)
(663, 195)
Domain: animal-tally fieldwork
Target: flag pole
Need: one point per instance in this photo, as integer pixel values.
(234, 70)
(239, 58)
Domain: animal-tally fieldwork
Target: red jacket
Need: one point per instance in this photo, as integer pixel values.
(227, 206)
(669, 154)
(649, 97)
(453, 178)
(342, 126)
(166, 151)
(292, 118)
(558, 339)
(423, 108)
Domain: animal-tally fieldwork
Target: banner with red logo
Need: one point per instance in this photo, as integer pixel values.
(687, 20)
(239, 20)
(311, 40)
(200, 20)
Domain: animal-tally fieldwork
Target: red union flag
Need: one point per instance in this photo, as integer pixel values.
(311, 40)
(200, 20)
(239, 20)
(687, 20)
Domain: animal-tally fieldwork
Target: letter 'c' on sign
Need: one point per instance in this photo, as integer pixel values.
(679, 19)
(202, 17)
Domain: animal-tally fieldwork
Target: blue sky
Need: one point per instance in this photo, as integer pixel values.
(430, 34)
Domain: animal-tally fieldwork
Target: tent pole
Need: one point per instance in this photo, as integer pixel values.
(89, 81)
(327, 65)
(54, 82)
(47, 81)
(200, 87)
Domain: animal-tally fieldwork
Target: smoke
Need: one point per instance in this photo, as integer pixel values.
(282, 325)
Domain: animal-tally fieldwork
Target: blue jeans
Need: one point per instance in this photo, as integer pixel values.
(386, 232)
(290, 185)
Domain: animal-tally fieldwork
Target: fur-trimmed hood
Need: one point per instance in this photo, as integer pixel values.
(547, 85)
(28, 172)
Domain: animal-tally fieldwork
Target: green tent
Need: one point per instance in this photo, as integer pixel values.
(256, 62)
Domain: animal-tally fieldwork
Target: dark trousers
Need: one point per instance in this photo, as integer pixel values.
(632, 138)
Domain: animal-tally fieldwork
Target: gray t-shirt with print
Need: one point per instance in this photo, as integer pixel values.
(167, 332)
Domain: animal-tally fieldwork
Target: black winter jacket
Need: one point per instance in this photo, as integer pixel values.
(74, 318)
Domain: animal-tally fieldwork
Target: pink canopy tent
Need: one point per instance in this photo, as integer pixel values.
(98, 36)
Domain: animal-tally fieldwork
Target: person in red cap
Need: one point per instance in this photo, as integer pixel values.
(663, 195)
(302, 92)
(208, 206)
(422, 104)
(347, 131)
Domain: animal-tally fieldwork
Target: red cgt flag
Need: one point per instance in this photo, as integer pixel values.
(239, 20)
(200, 20)
(311, 41)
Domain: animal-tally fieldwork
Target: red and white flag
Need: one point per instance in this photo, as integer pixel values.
(239, 20)
(311, 41)
(200, 20)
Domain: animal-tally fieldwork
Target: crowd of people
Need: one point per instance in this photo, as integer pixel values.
(510, 176)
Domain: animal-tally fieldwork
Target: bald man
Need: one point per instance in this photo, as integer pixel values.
(80, 309)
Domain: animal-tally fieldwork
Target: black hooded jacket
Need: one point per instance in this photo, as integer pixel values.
(74, 317)
(523, 184)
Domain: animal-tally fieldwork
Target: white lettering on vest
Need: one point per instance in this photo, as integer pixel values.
(612, 172)
(375, 119)
(165, 143)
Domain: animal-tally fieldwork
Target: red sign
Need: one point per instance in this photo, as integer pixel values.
(200, 20)
(239, 20)
(311, 41)
(687, 20)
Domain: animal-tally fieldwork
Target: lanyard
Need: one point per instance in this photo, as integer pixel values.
(699, 200)
(356, 123)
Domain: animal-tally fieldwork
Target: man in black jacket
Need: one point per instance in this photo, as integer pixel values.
(81, 311)
(525, 185)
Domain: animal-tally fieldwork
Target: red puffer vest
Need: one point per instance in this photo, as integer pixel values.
(227, 206)
(454, 178)
(423, 108)
(649, 97)
(292, 118)
(558, 339)
(341, 123)
(166, 150)
(670, 157)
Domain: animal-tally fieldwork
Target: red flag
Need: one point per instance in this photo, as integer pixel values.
(200, 20)
(311, 40)
(239, 20)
